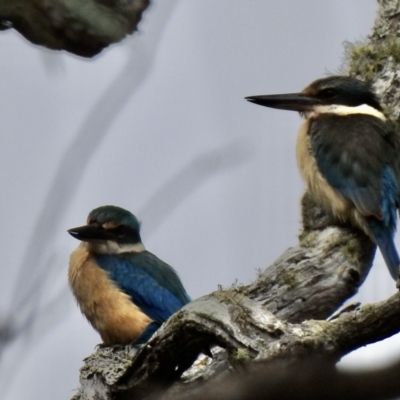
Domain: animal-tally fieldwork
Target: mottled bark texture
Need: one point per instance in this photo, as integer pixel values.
(281, 317)
(82, 27)
(310, 379)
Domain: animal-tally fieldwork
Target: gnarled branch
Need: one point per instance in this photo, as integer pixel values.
(82, 27)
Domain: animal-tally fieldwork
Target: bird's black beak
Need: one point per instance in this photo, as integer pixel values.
(89, 232)
(291, 101)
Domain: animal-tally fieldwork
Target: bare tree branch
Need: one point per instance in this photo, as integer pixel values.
(247, 331)
(311, 379)
(80, 27)
(314, 278)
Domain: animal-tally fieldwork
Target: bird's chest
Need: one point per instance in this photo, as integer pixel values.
(90, 284)
(317, 185)
(111, 312)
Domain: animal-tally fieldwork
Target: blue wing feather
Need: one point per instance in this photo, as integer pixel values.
(152, 284)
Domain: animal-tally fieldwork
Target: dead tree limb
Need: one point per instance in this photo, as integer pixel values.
(82, 27)
(311, 379)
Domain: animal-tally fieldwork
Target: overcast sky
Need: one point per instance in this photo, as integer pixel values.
(158, 125)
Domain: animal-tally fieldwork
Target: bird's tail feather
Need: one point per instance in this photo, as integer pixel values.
(385, 242)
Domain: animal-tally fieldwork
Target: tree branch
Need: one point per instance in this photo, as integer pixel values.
(314, 278)
(82, 27)
(247, 331)
(311, 379)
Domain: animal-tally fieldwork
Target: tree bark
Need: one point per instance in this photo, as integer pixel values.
(81, 27)
(311, 379)
(274, 317)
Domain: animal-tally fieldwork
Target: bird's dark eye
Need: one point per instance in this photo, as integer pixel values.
(327, 93)
(120, 231)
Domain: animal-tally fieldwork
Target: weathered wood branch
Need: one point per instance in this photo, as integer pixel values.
(82, 27)
(311, 379)
(247, 331)
(314, 278)
(271, 318)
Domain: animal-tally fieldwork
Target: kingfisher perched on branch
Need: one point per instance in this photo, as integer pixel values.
(348, 156)
(124, 291)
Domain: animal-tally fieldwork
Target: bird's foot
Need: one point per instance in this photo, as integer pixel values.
(111, 346)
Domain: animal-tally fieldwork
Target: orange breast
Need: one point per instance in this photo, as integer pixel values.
(110, 311)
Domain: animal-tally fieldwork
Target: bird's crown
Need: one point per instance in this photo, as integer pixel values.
(111, 217)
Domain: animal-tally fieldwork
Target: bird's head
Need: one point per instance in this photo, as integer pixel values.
(110, 230)
(334, 90)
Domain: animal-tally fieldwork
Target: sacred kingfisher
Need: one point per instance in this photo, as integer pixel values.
(124, 291)
(348, 155)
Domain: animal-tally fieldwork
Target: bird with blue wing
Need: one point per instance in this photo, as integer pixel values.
(124, 291)
(348, 155)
